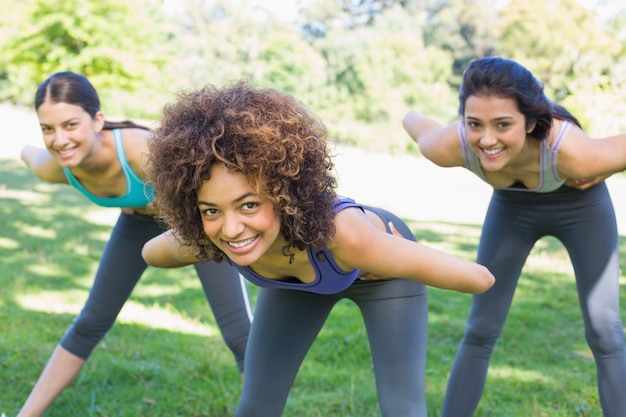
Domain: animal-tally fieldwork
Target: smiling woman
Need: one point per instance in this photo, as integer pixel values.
(103, 161)
(547, 178)
(245, 175)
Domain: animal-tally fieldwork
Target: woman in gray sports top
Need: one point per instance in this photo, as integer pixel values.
(245, 174)
(525, 146)
(103, 160)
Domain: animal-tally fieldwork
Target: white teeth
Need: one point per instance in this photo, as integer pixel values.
(492, 151)
(242, 244)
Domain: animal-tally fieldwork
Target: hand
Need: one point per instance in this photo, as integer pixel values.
(584, 183)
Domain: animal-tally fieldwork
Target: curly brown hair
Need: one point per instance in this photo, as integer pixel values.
(279, 146)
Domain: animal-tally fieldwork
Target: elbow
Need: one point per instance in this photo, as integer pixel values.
(149, 256)
(485, 280)
(408, 122)
(146, 255)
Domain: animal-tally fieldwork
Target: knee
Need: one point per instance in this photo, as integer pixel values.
(481, 332)
(605, 337)
(91, 324)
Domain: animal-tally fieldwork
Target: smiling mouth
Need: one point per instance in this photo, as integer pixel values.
(494, 151)
(243, 243)
(64, 152)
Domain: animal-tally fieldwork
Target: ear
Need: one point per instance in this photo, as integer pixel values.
(530, 125)
(98, 122)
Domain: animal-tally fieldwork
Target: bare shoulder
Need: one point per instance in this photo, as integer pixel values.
(136, 147)
(354, 228)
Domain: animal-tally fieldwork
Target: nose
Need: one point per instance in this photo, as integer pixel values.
(59, 138)
(232, 227)
(487, 139)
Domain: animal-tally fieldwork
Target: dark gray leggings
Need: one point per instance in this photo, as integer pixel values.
(585, 222)
(119, 270)
(286, 322)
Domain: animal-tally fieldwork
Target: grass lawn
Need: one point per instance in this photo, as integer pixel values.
(165, 356)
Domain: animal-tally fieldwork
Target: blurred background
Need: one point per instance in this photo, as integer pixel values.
(358, 64)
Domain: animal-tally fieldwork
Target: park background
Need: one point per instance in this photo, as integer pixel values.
(359, 65)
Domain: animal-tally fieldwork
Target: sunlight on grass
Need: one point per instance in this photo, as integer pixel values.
(65, 302)
(155, 316)
(104, 217)
(520, 375)
(6, 243)
(37, 231)
(46, 270)
(25, 196)
(164, 317)
(549, 254)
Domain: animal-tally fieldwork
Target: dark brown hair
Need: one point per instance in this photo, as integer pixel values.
(72, 88)
(267, 136)
(505, 78)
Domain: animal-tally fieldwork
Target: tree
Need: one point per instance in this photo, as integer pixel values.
(114, 45)
(464, 28)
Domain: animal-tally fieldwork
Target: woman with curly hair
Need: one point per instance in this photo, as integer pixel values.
(245, 175)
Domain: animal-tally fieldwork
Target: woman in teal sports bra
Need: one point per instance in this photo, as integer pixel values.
(103, 161)
(245, 174)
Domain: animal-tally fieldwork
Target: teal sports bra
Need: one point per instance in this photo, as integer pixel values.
(138, 193)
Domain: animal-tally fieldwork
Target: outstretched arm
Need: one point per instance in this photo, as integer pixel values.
(438, 143)
(167, 251)
(586, 161)
(359, 244)
(42, 164)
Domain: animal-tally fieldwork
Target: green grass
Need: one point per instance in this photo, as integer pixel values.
(165, 357)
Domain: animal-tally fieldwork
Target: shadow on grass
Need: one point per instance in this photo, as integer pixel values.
(52, 239)
(542, 356)
(136, 370)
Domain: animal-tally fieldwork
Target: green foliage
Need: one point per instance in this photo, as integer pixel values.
(82, 36)
(572, 64)
(359, 66)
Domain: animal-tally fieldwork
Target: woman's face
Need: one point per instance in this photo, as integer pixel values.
(243, 225)
(495, 129)
(69, 132)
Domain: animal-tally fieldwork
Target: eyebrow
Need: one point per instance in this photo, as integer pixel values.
(497, 119)
(235, 201)
(71, 119)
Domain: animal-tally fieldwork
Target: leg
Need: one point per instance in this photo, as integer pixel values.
(286, 322)
(120, 268)
(60, 370)
(227, 294)
(396, 317)
(504, 246)
(596, 264)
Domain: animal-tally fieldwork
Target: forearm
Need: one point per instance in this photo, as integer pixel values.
(166, 251)
(419, 125)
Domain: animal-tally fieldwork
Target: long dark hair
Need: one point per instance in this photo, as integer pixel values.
(506, 78)
(72, 88)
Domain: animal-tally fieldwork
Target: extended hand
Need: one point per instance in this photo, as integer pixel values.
(584, 183)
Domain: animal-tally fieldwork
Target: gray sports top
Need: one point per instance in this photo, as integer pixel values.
(549, 179)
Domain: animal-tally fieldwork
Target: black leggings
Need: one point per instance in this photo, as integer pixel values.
(286, 322)
(119, 270)
(585, 222)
